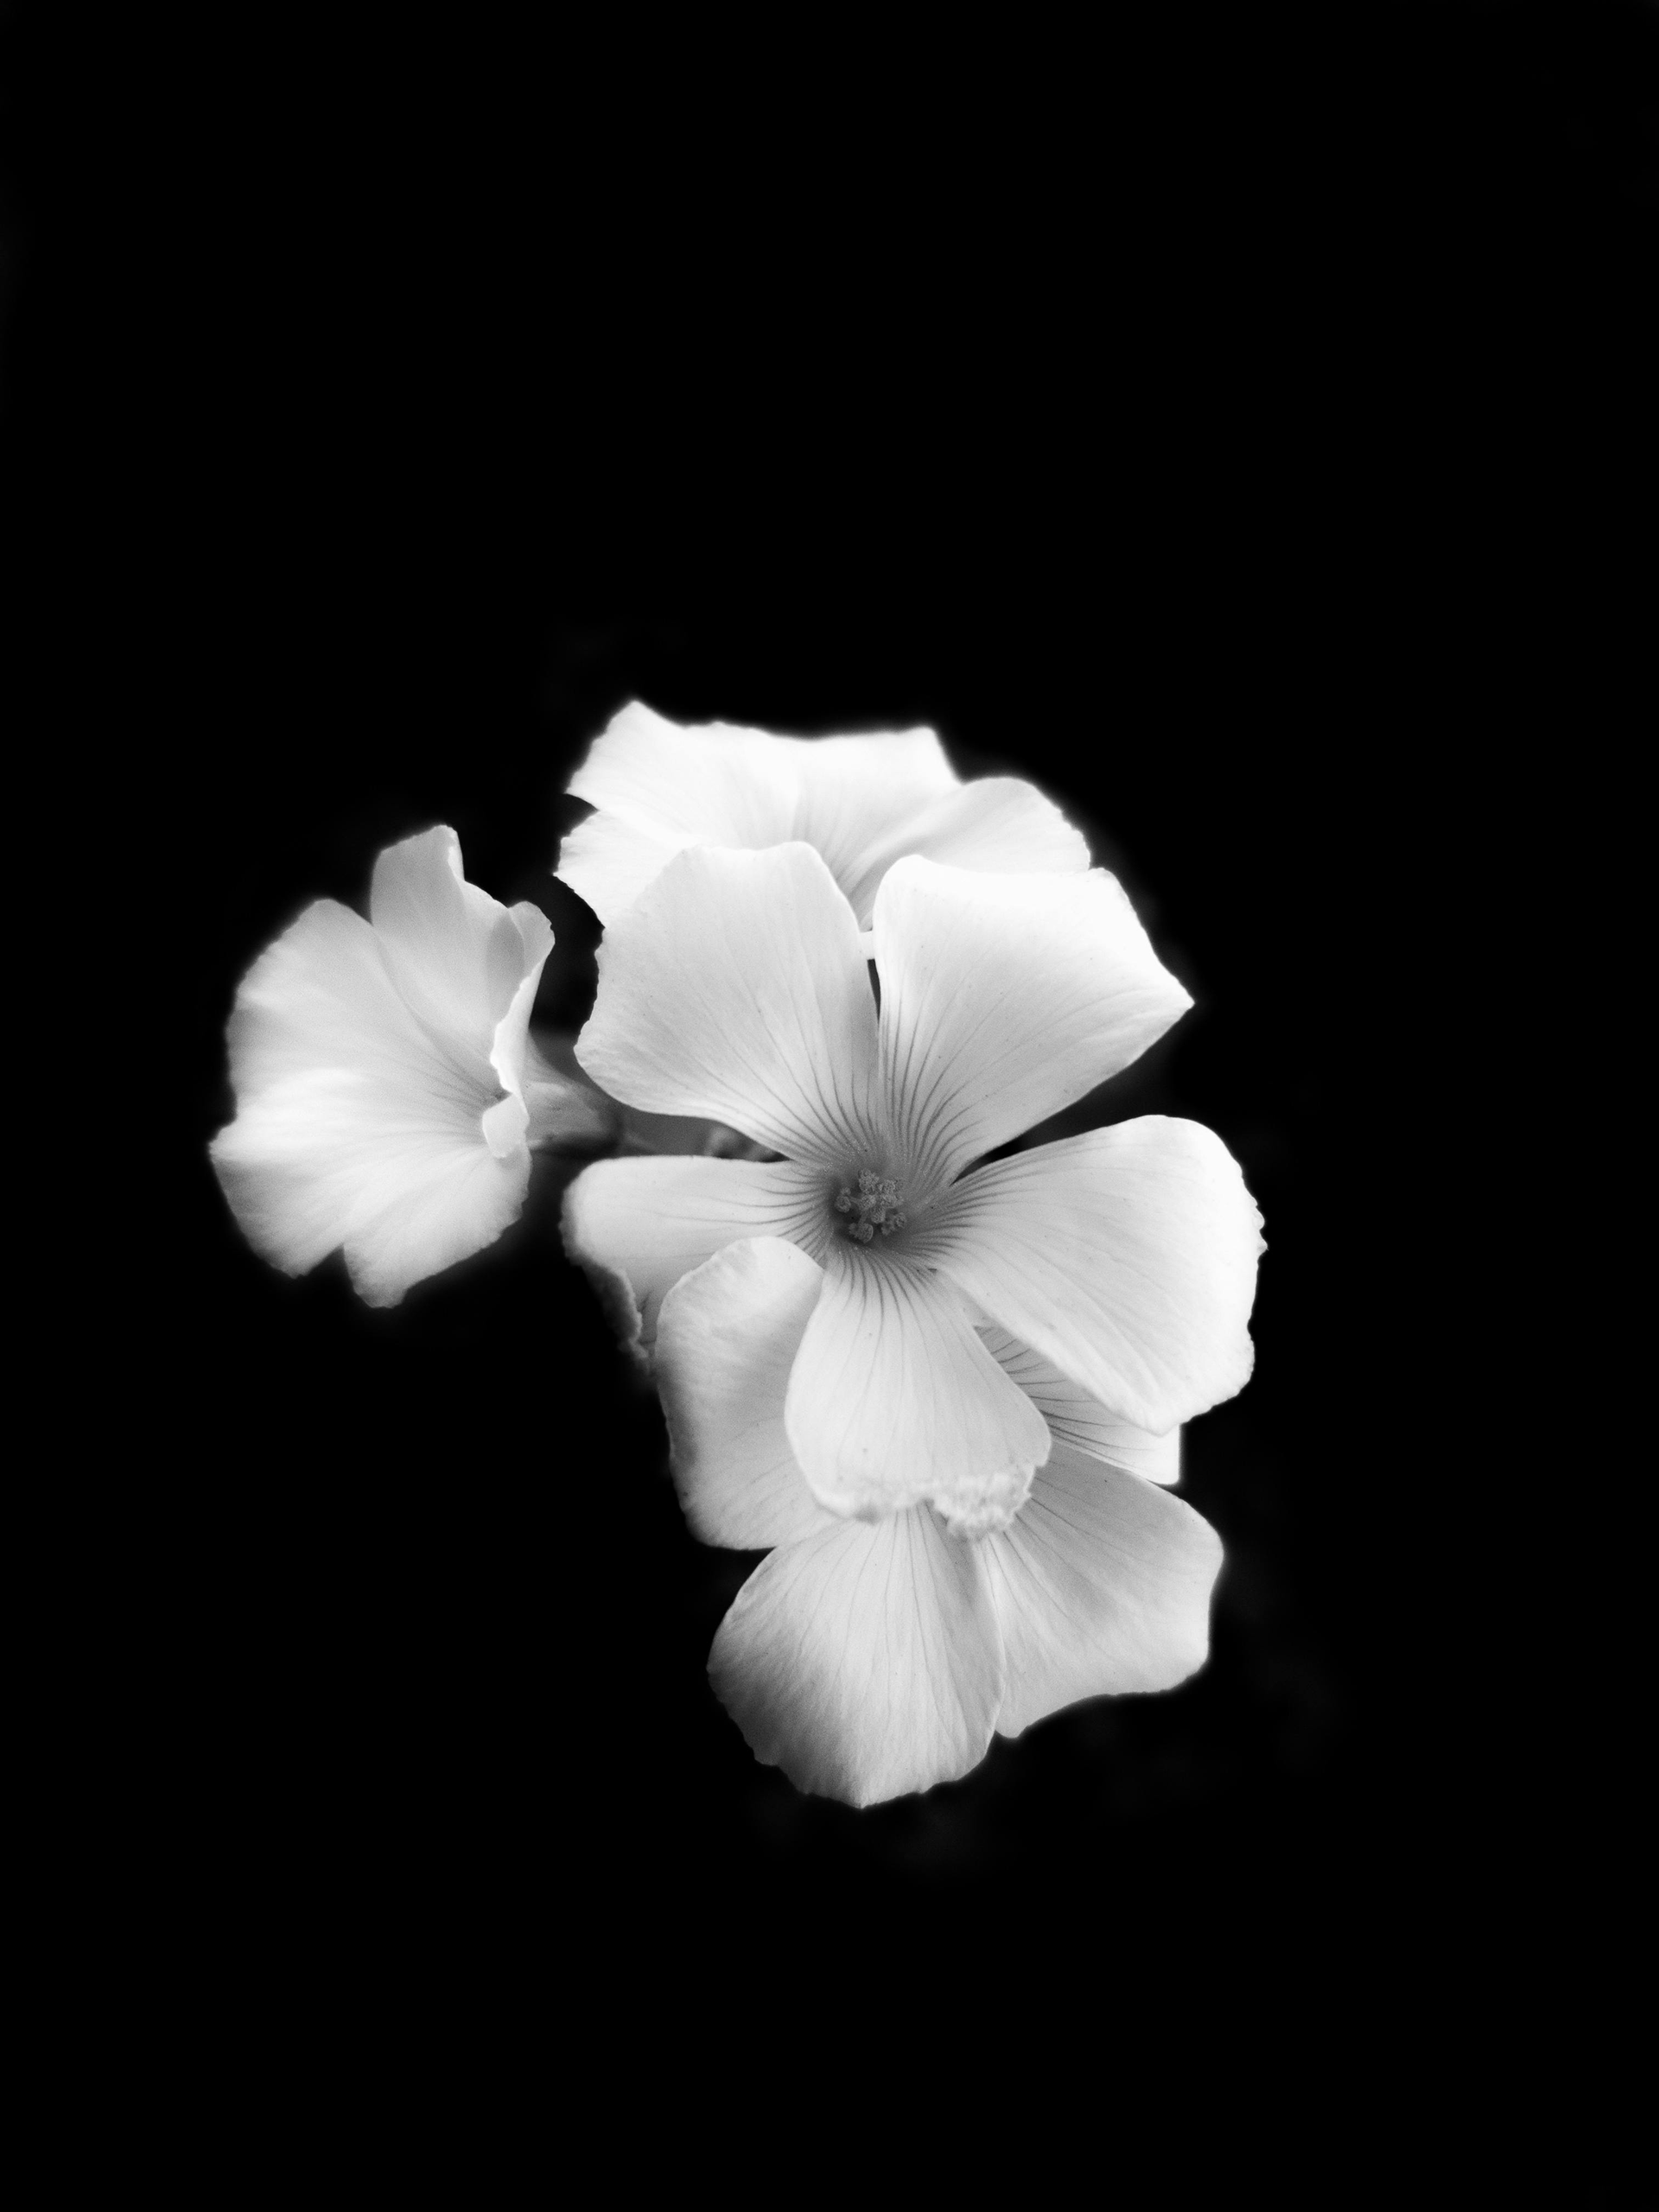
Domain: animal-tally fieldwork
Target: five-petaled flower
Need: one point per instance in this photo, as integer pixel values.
(936, 1382)
(380, 1070)
(862, 803)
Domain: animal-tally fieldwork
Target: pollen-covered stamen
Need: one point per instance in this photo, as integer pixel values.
(875, 1206)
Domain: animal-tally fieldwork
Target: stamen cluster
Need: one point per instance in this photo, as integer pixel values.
(876, 1202)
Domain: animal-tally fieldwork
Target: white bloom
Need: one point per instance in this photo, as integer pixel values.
(379, 1069)
(862, 802)
(877, 1341)
(867, 1659)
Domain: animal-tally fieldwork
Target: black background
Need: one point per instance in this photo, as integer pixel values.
(1218, 426)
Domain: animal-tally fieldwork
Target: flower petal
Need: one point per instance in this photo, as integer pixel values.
(368, 1058)
(1127, 1256)
(726, 1340)
(1076, 1419)
(735, 988)
(659, 788)
(893, 1399)
(857, 797)
(641, 1224)
(505, 1125)
(863, 802)
(608, 861)
(322, 996)
(419, 1211)
(456, 955)
(510, 1045)
(865, 1662)
(355, 1124)
(1101, 1586)
(1003, 999)
(321, 1162)
(714, 784)
(996, 823)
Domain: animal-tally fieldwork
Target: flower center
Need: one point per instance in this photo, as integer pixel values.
(875, 1204)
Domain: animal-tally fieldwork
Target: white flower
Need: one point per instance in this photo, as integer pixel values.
(379, 1069)
(875, 1344)
(862, 802)
(868, 1659)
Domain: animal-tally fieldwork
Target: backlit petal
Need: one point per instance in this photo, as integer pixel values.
(863, 802)
(864, 1662)
(1127, 1256)
(356, 1124)
(894, 1399)
(711, 783)
(641, 1224)
(659, 788)
(368, 1059)
(417, 1212)
(855, 796)
(996, 823)
(1076, 1419)
(1003, 999)
(510, 1045)
(455, 954)
(608, 861)
(726, 1341)
(333, 1158)
(322, 996)
(735, 988)
(1101, 1586)
(505, 1125)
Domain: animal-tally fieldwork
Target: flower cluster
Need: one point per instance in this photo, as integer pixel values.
(940, 1382)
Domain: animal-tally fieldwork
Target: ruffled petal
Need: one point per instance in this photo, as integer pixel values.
(1003, 999)
(510, 1045)
(726, 1341)
(505, 1124)
(608, 861)
(864, 1662)
(356, 1124)
(367, 1059)
(638, 1225)
(1101, 1586)
(1076, 1419)
(659, 788)
(734, 989)
(996, 823)
(862, 802)
(319, 1162)
(715, 784)
(1127, 1256)
(893, 1399)
(856, 795)
(456, 955)
(322, 996)
(417, 1212)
